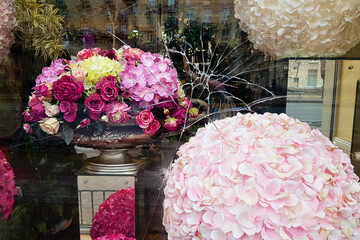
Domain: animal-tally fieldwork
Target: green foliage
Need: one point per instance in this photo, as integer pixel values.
(40, 28)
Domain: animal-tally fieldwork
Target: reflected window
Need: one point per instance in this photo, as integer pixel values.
(312, 77)
(124, 29)
(226, 15)
(171, 3)
(135, 9)
(189, 16)
(152, 3)
(207, 15)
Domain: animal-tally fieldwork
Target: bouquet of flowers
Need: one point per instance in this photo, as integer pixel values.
(111, 86)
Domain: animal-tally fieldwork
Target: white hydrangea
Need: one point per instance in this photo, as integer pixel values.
(292, 28)
(7, 24)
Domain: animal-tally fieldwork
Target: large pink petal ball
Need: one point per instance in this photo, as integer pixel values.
(261, 177)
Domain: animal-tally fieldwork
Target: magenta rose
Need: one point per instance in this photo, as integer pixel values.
(107, 88)
(110, 53)
(95, 106)
(170, 124)
(67, 89)
(152, 128)
(36, 110)
(69, 110)
(116, 112)
(126, 94)
(144, 118)
(84, 122)
(44, 90)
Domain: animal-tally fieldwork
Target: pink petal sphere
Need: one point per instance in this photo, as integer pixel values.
(265, 177)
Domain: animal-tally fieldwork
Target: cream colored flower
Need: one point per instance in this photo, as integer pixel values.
(50, 125)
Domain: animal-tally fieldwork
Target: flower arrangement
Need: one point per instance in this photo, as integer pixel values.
(261, 177)
(111, 86)
(7, 25)
(7, 187)
(114, 237)
(116, 215)
(291, 29)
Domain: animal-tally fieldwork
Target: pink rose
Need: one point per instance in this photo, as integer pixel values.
(52, 110)
(152, 128)
(144, 118)
(44, 90)
(107, 88)
(27, 128)
(116, 112)
(87, 53)
(69, 110)
(95, 105)
(170, 124)
(50, 125)
(79, 74)
(84, 122)
(67, 89)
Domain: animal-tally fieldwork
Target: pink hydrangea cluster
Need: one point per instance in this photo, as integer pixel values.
(115, 237)
(51, 74)
(261, 177)
(7, 25)
(7, 187)
(150, 81)
(116, 215)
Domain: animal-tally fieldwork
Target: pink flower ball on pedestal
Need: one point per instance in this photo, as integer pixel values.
(114, 237)
(116, 215)
(261, 177)
(7, 187)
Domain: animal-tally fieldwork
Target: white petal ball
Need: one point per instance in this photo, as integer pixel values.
(300, 28)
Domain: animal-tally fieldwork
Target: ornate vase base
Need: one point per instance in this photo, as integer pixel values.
(111, 169)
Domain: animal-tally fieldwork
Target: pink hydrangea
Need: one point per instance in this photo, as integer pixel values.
(114, 237)
(7, 25)
(7, 187)
(116, 215)
(261, 177)
(154, 79)
(52, 73)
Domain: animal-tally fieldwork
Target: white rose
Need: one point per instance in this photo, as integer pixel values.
(50, 125)
(52, 110)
